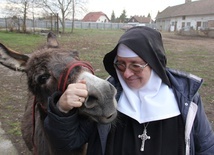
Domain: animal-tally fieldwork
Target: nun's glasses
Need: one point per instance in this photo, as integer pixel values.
(133, 66)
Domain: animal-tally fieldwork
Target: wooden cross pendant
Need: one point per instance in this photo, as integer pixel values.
(143, 137)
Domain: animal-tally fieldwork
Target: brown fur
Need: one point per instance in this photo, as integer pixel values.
(43, 70)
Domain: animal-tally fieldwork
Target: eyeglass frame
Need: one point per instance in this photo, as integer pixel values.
(125, 67)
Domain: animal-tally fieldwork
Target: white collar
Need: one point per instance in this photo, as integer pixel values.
(154, 101)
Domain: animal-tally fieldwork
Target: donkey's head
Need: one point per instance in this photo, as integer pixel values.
(52, 69)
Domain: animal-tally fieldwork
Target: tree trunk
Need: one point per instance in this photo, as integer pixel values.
(25, 18)
(73, 15)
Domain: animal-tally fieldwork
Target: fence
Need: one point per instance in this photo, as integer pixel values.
(15, 24)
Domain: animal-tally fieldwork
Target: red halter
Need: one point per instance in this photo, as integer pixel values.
(64, 76)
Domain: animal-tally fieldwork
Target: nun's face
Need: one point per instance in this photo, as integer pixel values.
(134, 71)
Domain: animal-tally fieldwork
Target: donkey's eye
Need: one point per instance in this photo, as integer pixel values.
(43, 78)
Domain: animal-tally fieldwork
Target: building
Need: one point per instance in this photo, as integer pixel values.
(195, 15)
(98, 17)
(139, 20)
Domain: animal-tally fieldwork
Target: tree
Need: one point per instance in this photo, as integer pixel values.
(19, 8)
(64, 8)
(123, 16)
(73, 16)
(113, 18)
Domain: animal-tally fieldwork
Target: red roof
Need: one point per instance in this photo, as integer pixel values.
(93, 16)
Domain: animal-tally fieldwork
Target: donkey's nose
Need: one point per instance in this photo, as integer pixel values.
(106, 120)
(91, 102)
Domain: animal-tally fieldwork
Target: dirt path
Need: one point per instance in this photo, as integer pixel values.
(13, 96)
(6, 146)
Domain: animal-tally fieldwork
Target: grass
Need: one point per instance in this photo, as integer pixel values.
(15, 129)
(24, 43)
(94, 44)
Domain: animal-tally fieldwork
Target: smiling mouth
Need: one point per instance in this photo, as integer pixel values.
(131, 80)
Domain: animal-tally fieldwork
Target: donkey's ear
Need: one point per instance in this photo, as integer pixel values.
(52, 40)
(12, 59)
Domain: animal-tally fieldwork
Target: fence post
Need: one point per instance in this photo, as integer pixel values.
(6, 23)
(57, 22)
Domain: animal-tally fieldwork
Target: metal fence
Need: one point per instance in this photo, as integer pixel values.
(15, 24)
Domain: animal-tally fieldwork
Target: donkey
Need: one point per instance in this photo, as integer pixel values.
(51, 69)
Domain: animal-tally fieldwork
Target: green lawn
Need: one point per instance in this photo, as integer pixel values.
(24, 43)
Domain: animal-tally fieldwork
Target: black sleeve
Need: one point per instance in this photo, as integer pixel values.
(53, 108)
(66, 131)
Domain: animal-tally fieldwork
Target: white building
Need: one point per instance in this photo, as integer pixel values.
(195, 15)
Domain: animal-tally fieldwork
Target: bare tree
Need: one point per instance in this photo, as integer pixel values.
(73, 16)
(19, 8)
(64, 8)
(32, 11)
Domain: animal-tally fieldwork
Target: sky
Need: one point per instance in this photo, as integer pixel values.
(132, 7)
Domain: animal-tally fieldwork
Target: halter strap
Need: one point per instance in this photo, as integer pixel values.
(64, 76)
